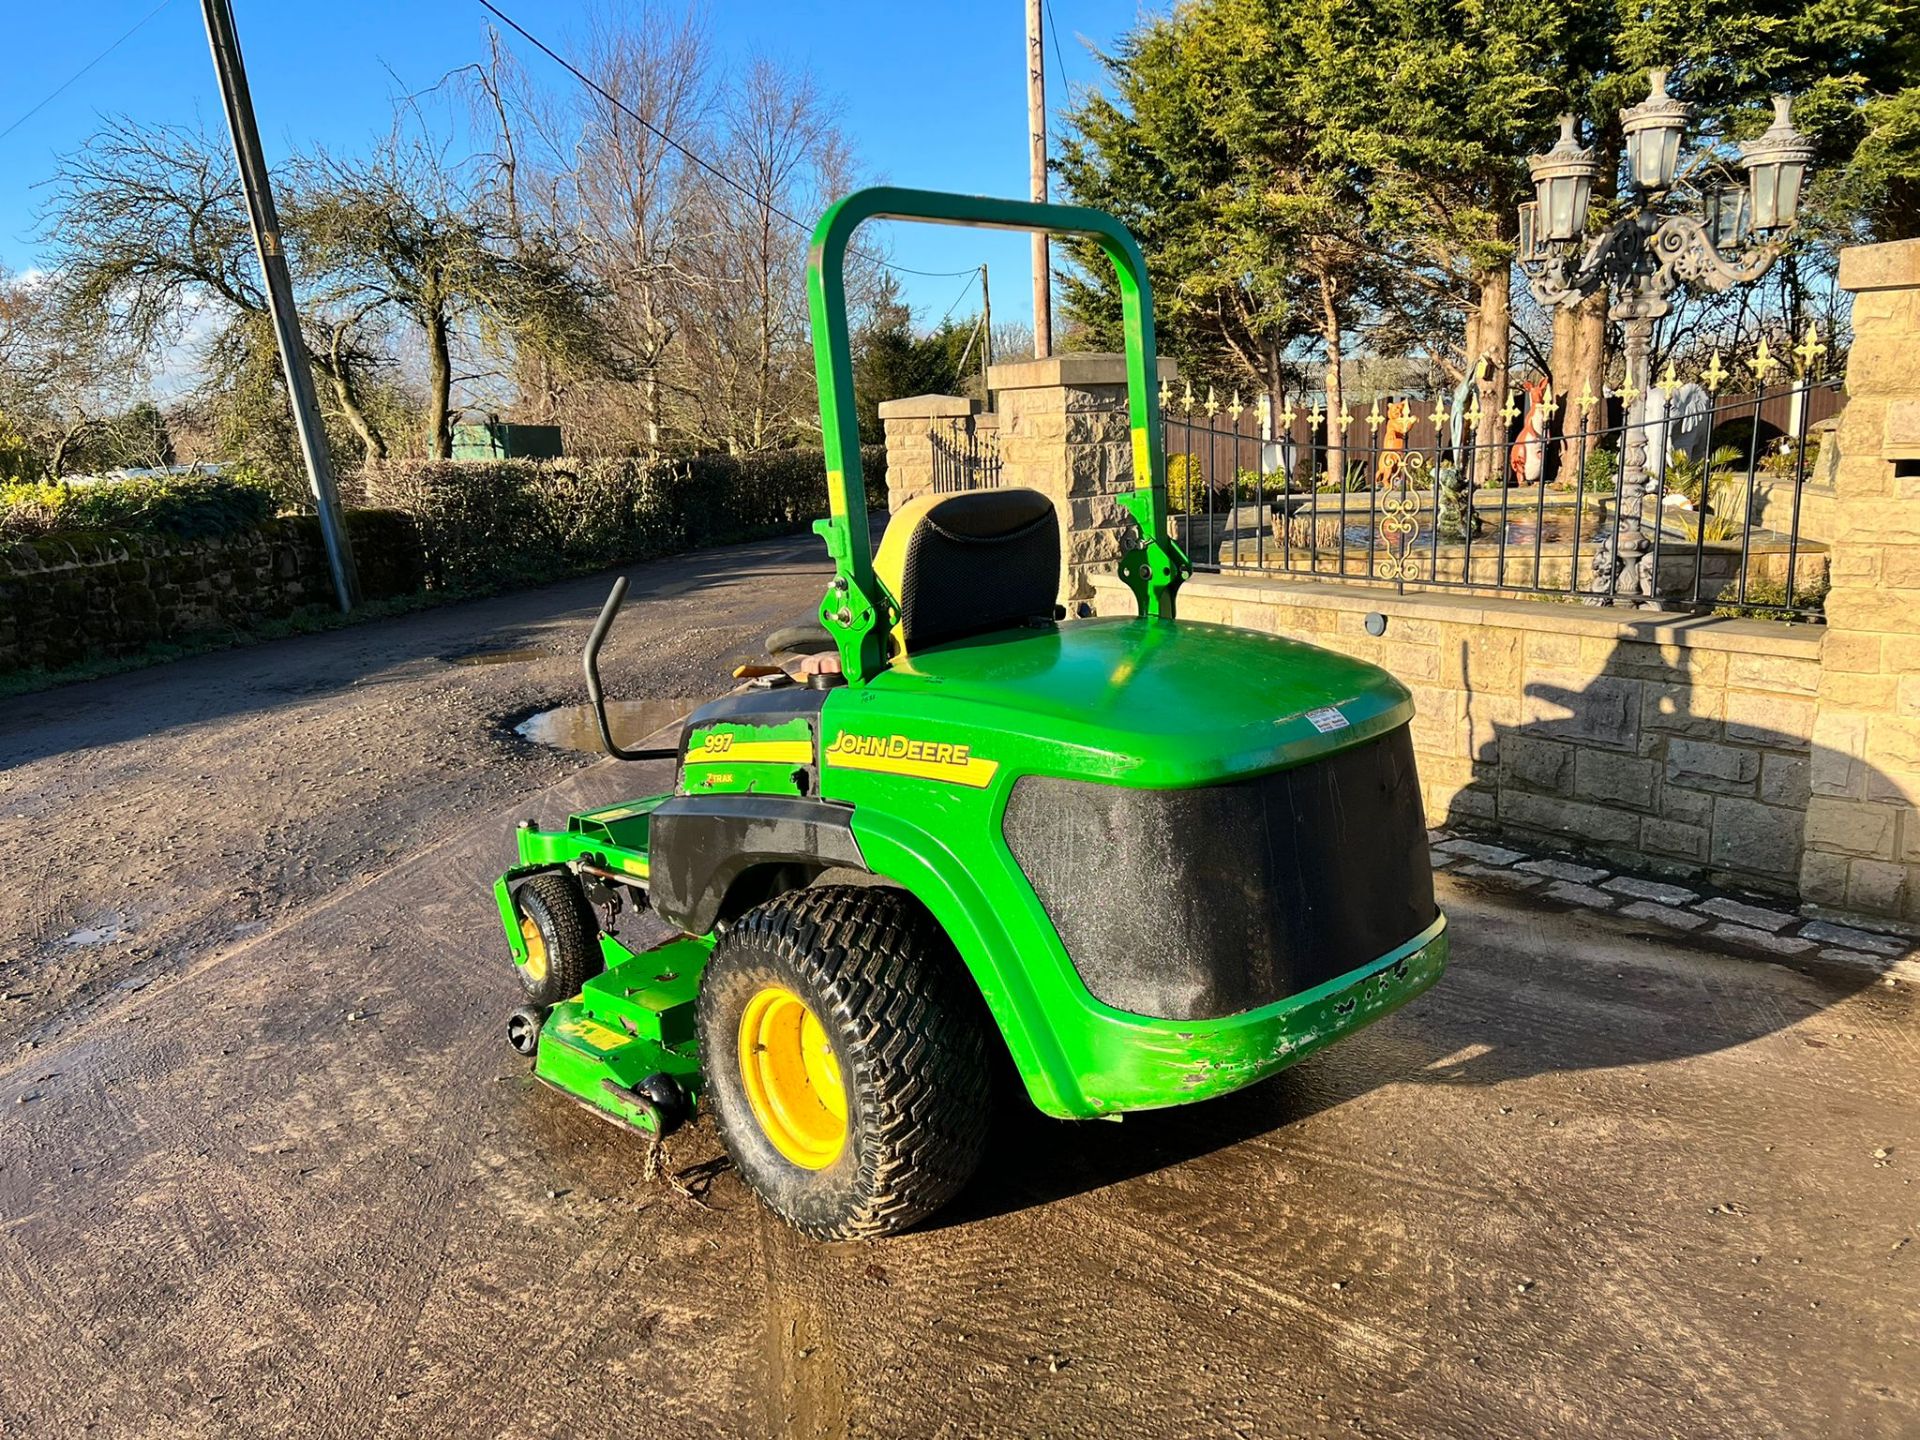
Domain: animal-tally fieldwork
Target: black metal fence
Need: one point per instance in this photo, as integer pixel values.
(1533, 498)
(965, 457)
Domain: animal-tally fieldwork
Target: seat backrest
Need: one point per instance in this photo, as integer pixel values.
(970, 562)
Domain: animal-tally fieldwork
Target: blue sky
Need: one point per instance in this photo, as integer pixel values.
(934, 94)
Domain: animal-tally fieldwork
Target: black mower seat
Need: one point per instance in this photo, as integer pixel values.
(966, 563)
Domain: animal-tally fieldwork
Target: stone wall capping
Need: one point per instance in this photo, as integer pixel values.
(1695, 632)
(928, 407)
(1070, 370)
(1894, 265)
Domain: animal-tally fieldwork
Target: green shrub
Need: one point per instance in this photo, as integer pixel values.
(187, 507)
(1187, 489)
(1771, 590)
(492, 522)
(1601, 472)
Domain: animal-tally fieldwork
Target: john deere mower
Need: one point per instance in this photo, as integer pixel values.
(1147, 860)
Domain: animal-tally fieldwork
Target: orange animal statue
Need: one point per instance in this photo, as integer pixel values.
(1393, 445)
(1528, 457)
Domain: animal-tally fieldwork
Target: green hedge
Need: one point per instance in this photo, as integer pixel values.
(184, 507)
(493, 522)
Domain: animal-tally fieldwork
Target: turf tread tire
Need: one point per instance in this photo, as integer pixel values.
(908, 1029)
(556, 904)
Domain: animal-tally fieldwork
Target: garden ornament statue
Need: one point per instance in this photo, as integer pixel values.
(1678, 419)
(1527, 460)
(1456, 490)
(1393, 444)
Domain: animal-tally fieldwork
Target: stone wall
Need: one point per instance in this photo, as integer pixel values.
(910, 424)
(1064, 432)
(1663, 744)
(1863, 827)
(69, 599)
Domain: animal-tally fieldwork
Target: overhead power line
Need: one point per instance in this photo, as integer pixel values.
(67, 84)
(714, 170)
(965, 290)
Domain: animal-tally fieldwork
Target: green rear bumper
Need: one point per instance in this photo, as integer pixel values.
(1135, 1063)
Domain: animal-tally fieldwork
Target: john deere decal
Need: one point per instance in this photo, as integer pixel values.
(898, 755)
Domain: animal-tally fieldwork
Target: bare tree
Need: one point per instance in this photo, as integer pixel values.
(149, 227)
(746, 361)
(66, 378)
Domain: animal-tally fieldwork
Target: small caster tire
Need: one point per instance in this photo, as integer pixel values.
(523, 1029)
(562, 939)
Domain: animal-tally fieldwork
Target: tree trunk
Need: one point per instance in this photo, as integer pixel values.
(1579, 368)
(1493, 337)
(1336, 448)
(371, 441)
(439, 433)
(650, 404)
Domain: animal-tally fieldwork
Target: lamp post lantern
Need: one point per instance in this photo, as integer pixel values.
(1643, 258)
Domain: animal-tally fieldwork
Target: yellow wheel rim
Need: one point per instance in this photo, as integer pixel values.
(536, 943)
(792, 1078)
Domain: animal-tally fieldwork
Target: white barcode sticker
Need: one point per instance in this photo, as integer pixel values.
(1328, 719)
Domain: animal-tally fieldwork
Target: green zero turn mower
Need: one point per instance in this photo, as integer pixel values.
(1155, 860)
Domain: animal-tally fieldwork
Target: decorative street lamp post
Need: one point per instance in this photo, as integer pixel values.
(1643, 258)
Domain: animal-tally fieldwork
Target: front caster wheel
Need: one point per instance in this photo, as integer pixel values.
(846, 1060)
(561, 939)
(523, 1029)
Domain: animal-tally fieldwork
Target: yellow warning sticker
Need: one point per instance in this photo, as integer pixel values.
(592, 1032)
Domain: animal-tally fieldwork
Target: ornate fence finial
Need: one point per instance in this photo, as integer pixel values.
(1510, 411)
(1166, 392)
(1763, 362)
(1669, 381)
(1236, 409)
(1213, 405)
(1715, 375)
(1548, 406)
(1628, 393)
(1587, 400)
(1440, 416)
(1374, 417)
(1186, 400)
(1287, 412)
(1810, 349)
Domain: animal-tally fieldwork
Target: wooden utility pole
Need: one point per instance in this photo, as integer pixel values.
(238, 101)
(1037, 179)
(986, 340)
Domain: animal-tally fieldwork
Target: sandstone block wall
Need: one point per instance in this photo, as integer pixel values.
(1863, 826)
(910, 424)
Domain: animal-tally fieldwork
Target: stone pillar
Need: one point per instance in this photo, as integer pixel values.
(1863, 825)
(1064, 432)
(909, 424)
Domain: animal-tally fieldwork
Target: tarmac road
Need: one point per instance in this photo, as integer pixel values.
(293, 1182)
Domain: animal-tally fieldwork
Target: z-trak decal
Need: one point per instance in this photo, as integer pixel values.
(922, 759)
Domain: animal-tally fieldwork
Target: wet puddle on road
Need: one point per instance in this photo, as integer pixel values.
(572, 727)
(495, 657)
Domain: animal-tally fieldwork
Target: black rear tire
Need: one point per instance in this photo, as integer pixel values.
(908, 1032)
(563, 942)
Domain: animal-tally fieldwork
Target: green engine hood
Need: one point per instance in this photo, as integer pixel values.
(1143, 702)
